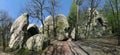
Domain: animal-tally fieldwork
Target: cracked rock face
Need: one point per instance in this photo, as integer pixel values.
(28, 35)
(35, 42)
(18, 31)
(61, 25)
(95, 26)
(64, 48)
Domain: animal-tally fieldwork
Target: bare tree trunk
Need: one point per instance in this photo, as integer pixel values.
(76, 25)
(54, 21)
(3, 40)
(42, 17)
(113, 15)
(91, 17)
(115, 12)
(43, 31)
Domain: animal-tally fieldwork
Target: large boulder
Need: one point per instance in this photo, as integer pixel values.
(48, 21)
(18, 31)
(35, 42)
(62, 22)
(92, 27)
(48, 24)
(73, 34)
(61, 25)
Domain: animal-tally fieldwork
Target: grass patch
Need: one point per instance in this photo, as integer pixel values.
(22, 51)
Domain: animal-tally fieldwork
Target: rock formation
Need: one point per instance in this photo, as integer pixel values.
(35, 42)
(18, 31)
(61, 24)
(64, 48)
(31, 37)
(93, 27)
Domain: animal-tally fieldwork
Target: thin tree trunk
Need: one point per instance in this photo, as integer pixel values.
(3, 39)
(42, 26)
(54, 26)
(89, 22)
(113, 15)
(76, 25)
(117, 19)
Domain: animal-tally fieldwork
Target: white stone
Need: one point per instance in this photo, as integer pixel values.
(18, 30)
(36, 42)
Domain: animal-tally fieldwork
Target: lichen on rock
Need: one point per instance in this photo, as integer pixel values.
(18, 31)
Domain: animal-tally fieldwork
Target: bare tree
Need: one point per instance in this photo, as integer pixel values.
(78, 3)
(93, 5)
(52, 10)
(36, 8)
(5, 24)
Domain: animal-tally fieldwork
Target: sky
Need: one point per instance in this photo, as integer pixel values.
(13, 7)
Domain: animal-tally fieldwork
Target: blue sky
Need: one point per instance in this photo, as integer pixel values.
(13, 7)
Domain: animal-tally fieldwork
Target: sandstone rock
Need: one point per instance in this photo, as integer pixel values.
(95, 47)
(48, 24)
(40, 29)
(64, 48)
(18, 31)
(73, 34)
(93, 27)
(61, 20)
(36, 42)
(61, 24)
(48, 21)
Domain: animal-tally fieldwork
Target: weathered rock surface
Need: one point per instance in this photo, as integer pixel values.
(99, 48)
(61, 25)
(93, 27)
(48, 24)
(64, 48)
(88, 47)
(32, 39)
(73, 34)
(35, 42)
(48, 21)
(62, 22)
(18, 31)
